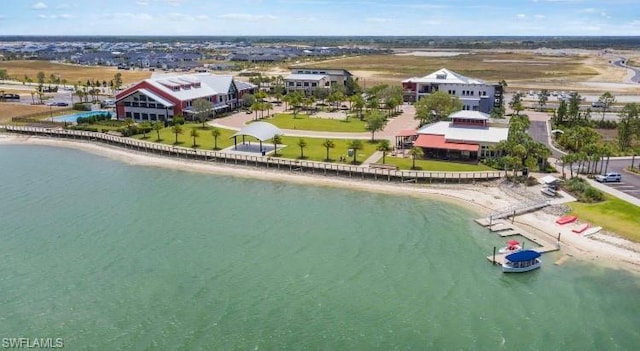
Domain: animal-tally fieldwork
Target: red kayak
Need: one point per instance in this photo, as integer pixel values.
(581, 228)
(566, 219)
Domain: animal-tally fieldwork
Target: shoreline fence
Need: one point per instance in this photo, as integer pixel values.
(267, 162)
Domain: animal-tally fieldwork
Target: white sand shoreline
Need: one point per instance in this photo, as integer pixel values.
(481, 198)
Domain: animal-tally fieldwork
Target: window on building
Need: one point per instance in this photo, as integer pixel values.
(135, 104)
(136, 115)
(306, 84)
(291, 84)
(153, 117)
(151, 105)
(127, 103)
(145, 116)
(135, 98)
(314, 84)
(298, 84)
(127, 114)
(143, 98)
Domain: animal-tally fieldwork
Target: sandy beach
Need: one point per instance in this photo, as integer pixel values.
(604, 248)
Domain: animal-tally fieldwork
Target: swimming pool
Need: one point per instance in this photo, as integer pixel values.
(74, 117)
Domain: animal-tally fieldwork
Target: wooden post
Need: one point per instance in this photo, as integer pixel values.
(494, 255)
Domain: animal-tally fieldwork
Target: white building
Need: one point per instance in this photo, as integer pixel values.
(469, 135)
(475, 94)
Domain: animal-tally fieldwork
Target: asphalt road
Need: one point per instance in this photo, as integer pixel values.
(630, 183)
(538, 131)
(636, 71)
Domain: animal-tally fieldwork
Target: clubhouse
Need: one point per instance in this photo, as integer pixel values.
(308, 79)
(470, 135)
(159, 99)
(475, 94)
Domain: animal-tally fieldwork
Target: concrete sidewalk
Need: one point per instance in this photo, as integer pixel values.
(405, 120)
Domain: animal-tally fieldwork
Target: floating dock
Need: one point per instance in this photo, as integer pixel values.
(505, 229)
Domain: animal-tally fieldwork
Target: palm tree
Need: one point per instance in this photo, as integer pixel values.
(355, 145)
(384, 147)
(415, 152)
(176, 129)
(277, 139)
(157, 127)
(145, 126)
(215, 133)
(329, 144)
(302, 144)
(194, 134)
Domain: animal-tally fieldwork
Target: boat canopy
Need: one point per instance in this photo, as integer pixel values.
(526, 255)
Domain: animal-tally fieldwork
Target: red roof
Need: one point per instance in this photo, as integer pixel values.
(435, 141)
(407, 133)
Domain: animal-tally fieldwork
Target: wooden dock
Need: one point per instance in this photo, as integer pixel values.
(505, 229)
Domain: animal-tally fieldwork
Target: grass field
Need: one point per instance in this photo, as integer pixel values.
(616, 215)
(313, 151)
(432, 165)
(490, 66)
(72, 73)
(8, 110)
(305, 122)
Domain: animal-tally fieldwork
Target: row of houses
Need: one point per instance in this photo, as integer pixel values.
(468, 134)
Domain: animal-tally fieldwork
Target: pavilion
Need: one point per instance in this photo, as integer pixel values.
(261, 131)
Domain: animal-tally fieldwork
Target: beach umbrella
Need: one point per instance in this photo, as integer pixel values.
(513, 242)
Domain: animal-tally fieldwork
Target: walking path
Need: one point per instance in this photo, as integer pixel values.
(405, 120)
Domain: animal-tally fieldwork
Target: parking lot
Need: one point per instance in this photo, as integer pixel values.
(625, 187)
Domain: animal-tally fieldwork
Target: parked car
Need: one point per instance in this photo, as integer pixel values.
(609, 177)
(597, 104)
(62, 104)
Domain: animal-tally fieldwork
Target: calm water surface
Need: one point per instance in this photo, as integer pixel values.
(108, 256)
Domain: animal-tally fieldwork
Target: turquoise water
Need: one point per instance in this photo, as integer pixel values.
(108, 256)
(74, 117)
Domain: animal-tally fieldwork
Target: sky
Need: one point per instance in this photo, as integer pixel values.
(321, 17)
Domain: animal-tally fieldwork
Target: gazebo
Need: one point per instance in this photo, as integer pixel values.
(260, 130)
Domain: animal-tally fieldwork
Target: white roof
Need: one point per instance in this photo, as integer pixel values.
(445, 76)
(468, 134)
(209, 85)
(259, 130)
(468, 114)
(305, 76)
(156, 97)
(548, 179)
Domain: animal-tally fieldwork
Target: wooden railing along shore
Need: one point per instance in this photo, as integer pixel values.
(300, 166)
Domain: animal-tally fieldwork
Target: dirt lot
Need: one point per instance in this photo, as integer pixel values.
(8, 110)
(573, 70)
(72, 73)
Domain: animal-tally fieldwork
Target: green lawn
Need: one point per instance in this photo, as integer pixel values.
(313, 151)
(305, 122)
(618, 216)
(432, 165)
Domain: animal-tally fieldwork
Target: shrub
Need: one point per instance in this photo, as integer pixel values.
(584, 192)
(79, 106)
(593, 195)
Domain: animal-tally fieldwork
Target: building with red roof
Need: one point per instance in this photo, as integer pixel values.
(161, 98)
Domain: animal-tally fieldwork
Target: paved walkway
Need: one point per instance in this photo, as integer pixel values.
(405, 120)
